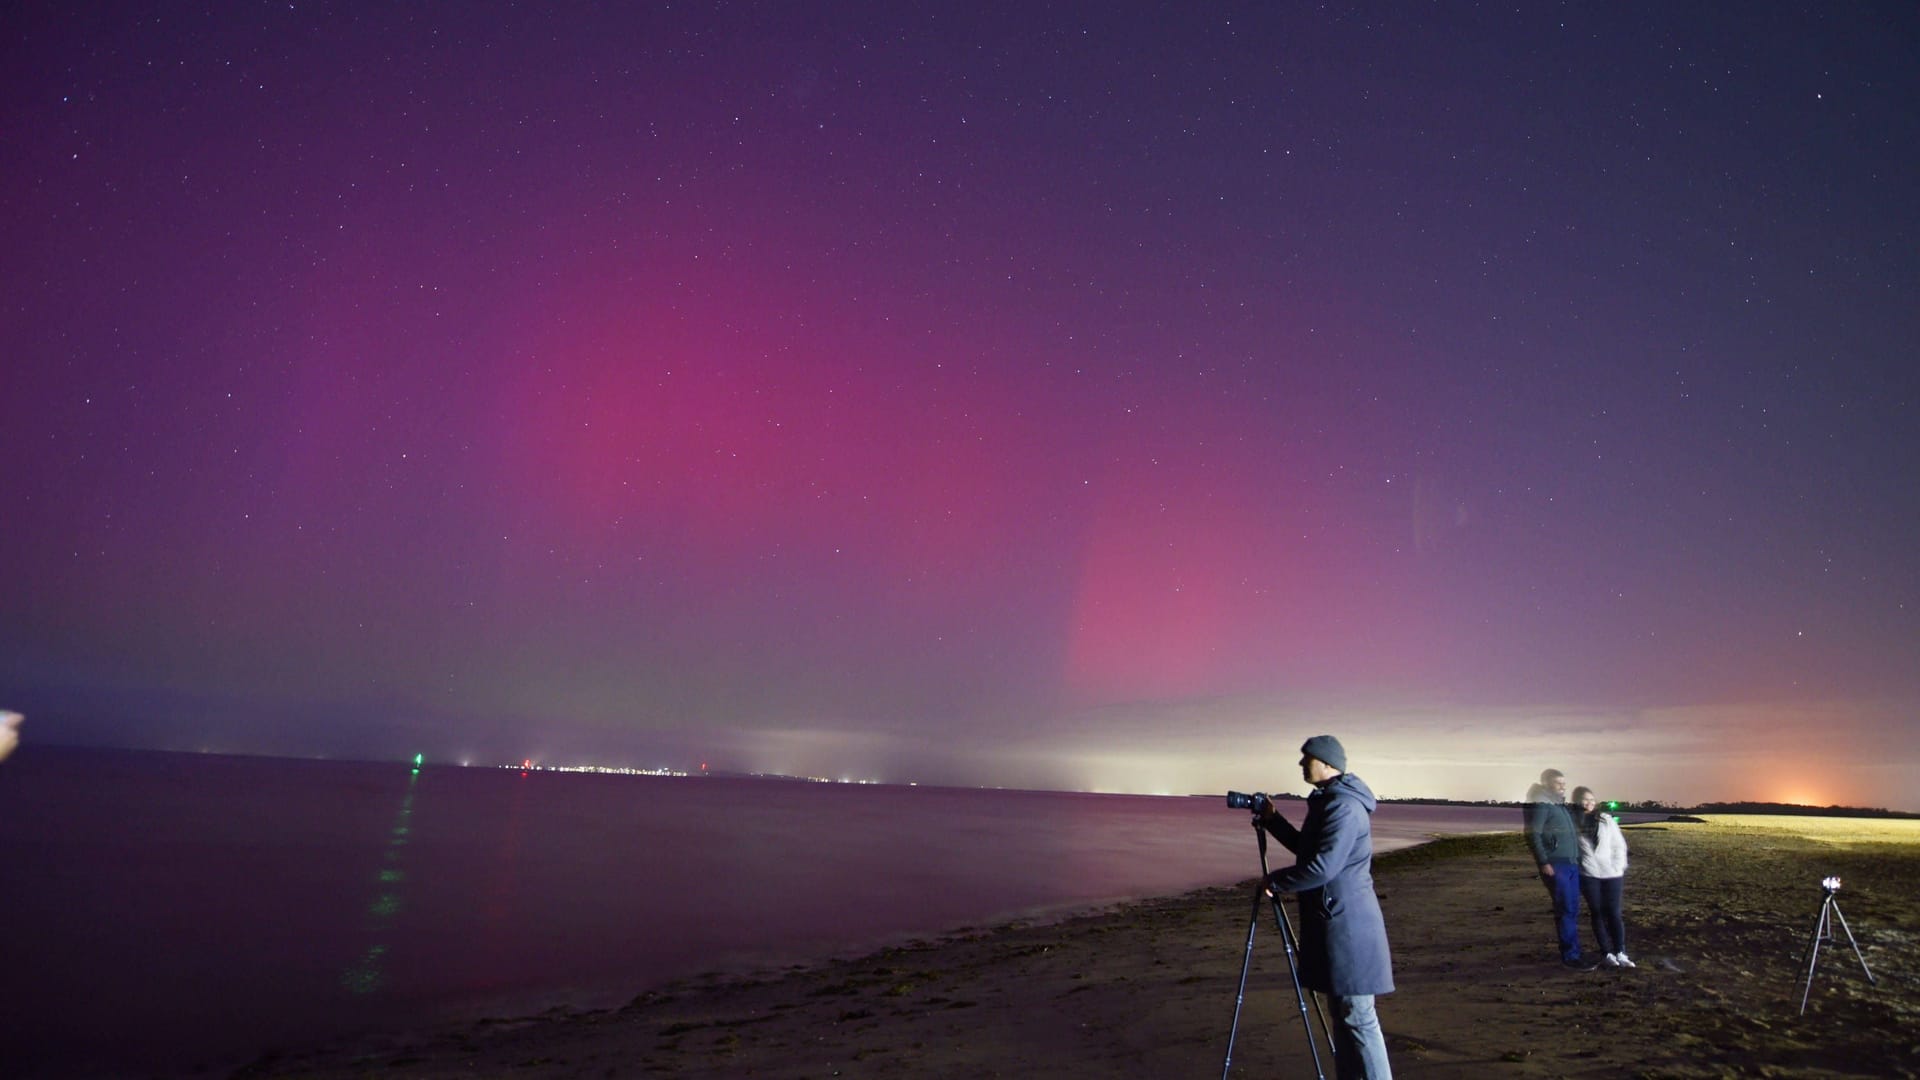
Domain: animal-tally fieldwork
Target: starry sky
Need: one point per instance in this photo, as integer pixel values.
(1084, 396)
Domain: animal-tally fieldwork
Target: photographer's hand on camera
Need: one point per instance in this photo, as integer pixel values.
(1278, 827)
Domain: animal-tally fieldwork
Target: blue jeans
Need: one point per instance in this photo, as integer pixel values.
(1359, 1047)
(1564, 885)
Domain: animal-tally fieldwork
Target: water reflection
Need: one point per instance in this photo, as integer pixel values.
(367, 974)
(500, 897)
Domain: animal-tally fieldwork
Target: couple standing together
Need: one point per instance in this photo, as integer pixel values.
(1580, 851)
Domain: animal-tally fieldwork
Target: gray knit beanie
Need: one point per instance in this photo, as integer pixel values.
(1327, 749)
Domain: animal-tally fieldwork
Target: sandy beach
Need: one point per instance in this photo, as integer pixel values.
(1720, 914)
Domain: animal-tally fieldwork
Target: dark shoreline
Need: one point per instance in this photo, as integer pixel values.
(1718, 914)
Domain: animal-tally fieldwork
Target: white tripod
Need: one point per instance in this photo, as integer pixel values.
(1823, 931)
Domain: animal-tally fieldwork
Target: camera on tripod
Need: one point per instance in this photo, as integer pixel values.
(1823, 932)
(1262, 805)
(1256, 802)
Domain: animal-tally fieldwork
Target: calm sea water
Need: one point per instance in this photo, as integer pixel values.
(172, 912)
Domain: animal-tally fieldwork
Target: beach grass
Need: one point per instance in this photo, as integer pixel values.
(1721, 913)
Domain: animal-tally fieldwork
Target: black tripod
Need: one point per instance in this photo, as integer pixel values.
(1286, 937)
(1823, 931)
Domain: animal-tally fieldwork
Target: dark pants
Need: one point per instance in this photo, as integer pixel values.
(1564, 886)
(1603, 907)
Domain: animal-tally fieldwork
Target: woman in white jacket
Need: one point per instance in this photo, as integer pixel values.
(1603, 873)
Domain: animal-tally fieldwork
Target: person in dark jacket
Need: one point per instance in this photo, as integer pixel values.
(1554, 838)
(1343, 937)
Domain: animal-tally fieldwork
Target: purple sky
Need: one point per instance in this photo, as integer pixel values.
(1100, 396)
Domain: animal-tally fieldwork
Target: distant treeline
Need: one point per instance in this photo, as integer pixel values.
(1803, 811)
(1654, 806)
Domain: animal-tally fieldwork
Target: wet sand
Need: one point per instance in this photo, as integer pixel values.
(1720, 914)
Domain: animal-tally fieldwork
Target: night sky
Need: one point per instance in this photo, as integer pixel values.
(1096, 396)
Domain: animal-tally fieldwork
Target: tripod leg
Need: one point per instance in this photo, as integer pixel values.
(1300, 992)
(1813, 951)
(1319, 1007)
(1241, 995)
(1856, 945)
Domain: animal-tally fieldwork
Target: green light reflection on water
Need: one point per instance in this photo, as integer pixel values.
(367, 973)
(364, 975)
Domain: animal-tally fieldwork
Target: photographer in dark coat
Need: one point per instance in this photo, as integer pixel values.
(1343, 937)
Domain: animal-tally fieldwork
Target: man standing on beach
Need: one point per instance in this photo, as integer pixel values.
(1555, 841)
(1343, 937)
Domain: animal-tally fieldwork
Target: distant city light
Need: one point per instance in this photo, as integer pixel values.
(619, 770)
(527, 765)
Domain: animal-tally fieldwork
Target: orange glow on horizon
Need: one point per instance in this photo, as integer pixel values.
(1797, 793)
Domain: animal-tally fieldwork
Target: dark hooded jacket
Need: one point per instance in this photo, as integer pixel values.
(1551, 831)
(1343, 938)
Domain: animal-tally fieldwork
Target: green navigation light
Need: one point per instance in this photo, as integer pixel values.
(418, 759)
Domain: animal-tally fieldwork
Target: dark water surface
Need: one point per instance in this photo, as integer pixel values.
(180, 912)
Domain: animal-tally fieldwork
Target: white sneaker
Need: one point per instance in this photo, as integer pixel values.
(1611, 960)
(1620, 959)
